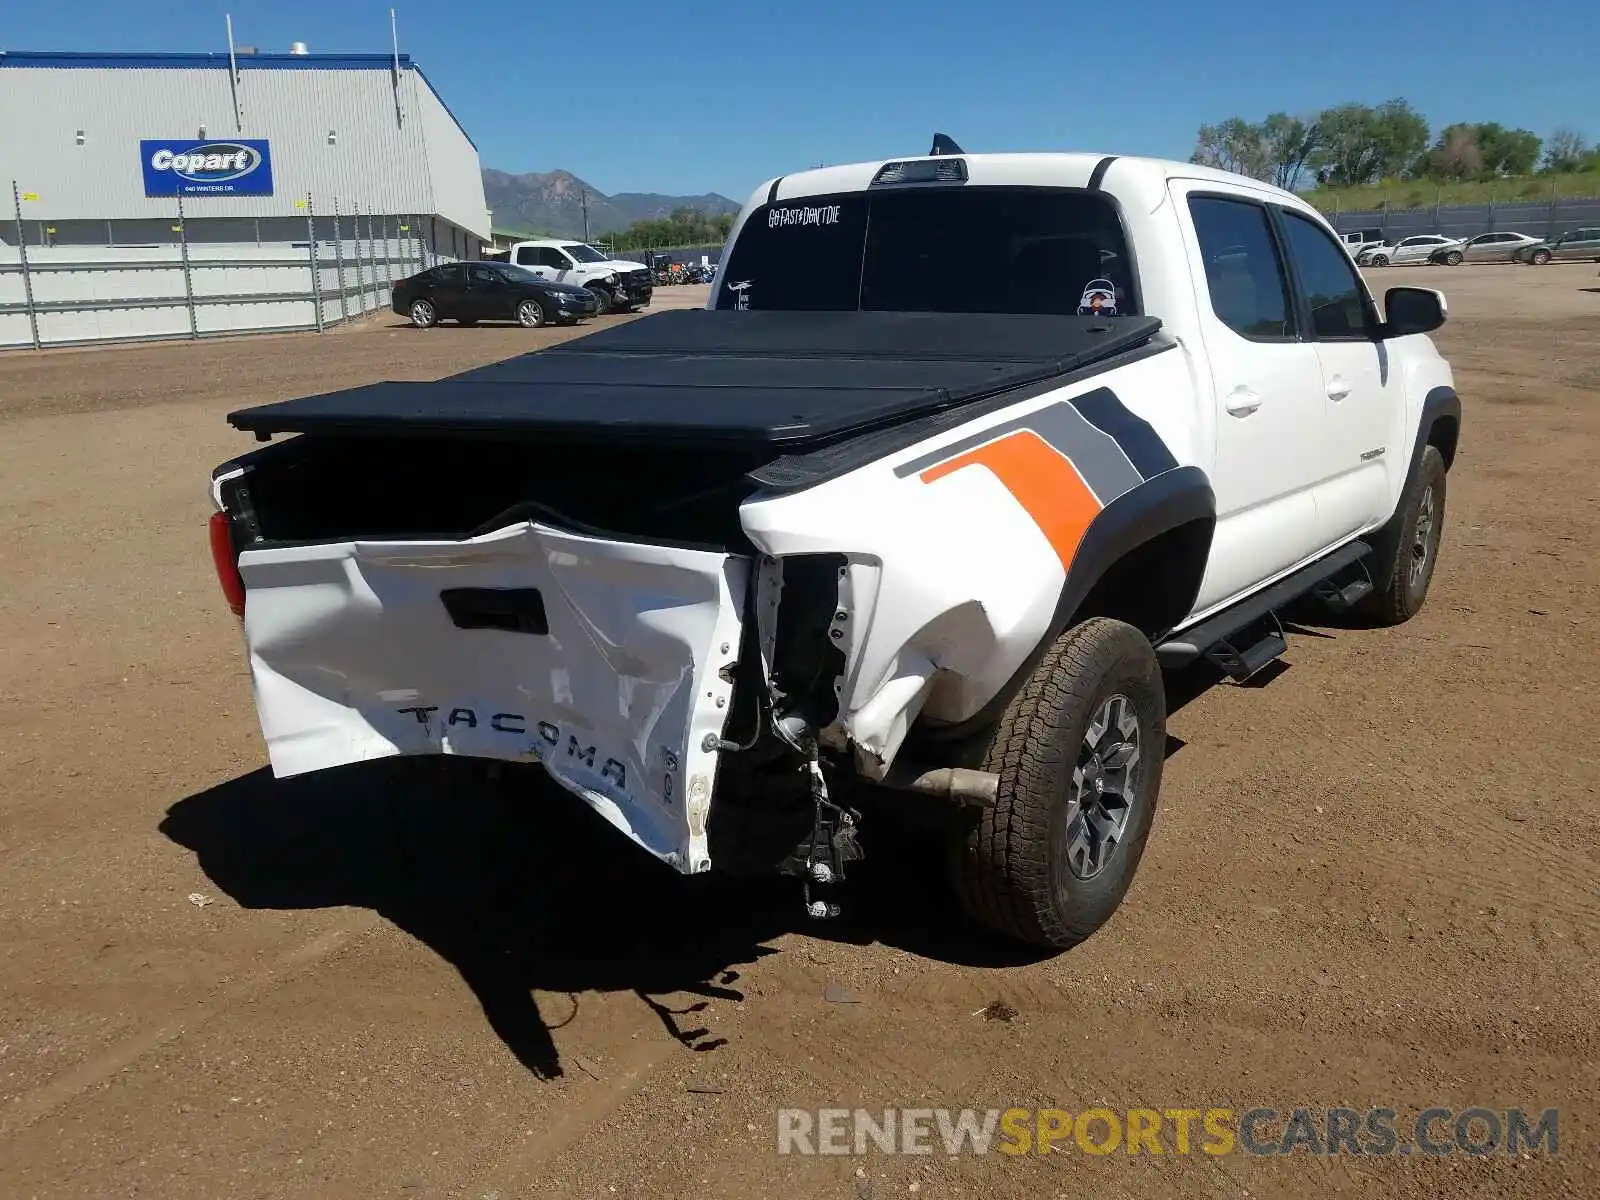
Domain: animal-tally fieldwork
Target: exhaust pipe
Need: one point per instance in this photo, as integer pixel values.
(960, 785)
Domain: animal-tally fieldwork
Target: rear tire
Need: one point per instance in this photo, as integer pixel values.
(1453, 259)
(1540, 257)
(1398, 598)
(423, 314)
(1079, 753)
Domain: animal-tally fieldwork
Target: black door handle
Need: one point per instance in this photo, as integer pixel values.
(514, 610)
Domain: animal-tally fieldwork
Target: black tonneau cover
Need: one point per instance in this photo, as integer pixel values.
(784, 380)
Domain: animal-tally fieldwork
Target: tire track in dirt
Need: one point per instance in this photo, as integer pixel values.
(40, 1102)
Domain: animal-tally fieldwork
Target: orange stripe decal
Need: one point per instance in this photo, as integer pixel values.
(1041, 479)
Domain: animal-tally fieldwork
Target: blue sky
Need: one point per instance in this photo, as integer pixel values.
(716, 96)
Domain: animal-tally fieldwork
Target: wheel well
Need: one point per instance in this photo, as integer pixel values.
(1443, 433)
(1153, 586)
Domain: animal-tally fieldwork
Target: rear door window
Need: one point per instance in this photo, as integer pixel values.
(1244, 273)
(990, 250)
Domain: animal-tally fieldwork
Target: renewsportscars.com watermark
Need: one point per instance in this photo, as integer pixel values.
(1378, 1132)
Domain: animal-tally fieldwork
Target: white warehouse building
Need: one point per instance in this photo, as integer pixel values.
(183, 195)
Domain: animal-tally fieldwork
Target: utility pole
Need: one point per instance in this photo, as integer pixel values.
(585, 195)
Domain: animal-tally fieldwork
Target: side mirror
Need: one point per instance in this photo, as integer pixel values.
(1413, 310)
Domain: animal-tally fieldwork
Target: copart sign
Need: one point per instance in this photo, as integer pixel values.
(190, 167)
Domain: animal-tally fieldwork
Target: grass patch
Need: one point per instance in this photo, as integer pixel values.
(1395, 194)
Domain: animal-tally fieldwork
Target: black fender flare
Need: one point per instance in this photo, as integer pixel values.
(1440, 404)
(1165, 502)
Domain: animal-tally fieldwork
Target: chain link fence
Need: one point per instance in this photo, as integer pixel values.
(1538, 218)
(321, 268)
(711, 252)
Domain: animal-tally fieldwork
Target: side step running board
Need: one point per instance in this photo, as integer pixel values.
(1183, 648)
(1262, 642)
(1340, 597)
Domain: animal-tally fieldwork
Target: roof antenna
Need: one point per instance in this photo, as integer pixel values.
(943, 145)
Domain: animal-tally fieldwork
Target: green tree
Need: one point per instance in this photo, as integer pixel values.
(1288, 143)
(683, 227)
(1565, 150)
(1359, 144)
(1482, 150)
(1507, 151)
(1233, 145)
(1456, 156)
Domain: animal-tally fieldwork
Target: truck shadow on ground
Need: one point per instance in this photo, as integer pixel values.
(521, 888)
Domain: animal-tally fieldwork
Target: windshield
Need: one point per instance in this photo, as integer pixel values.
(970, 249)
(583, 253)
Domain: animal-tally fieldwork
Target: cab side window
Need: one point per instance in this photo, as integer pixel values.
(1244, 273)
(527, 256)
(1328, 285)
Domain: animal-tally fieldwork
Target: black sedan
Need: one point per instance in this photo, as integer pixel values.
(469, 292)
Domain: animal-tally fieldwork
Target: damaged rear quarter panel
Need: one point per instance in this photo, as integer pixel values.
(957, 548)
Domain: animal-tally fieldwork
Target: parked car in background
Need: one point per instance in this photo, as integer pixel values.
(1357, 240)
(1573, 246)
(616, 283)
(1419, 248)
(1486, 247)
(469, 292)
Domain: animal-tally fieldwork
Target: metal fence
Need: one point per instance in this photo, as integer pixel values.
(1540, 218)
(712, 252)
(79, 295)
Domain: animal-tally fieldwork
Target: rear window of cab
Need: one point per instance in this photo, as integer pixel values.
(967, 249)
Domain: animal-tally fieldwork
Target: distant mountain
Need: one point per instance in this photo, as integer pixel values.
(552, 202)
(648, 206)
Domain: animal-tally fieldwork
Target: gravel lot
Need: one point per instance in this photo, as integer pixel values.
(1372, 882)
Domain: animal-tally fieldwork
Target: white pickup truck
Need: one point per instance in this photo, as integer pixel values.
(865, 522)
(617, 284)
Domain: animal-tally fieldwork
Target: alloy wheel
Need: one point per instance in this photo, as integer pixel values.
(1104, 787)
(1422, 537)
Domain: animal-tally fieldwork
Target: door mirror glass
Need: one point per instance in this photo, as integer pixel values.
(1413, 310)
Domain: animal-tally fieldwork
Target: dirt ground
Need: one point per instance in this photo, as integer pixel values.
(1372, 881)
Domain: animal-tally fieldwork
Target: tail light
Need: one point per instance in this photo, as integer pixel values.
(227, 563)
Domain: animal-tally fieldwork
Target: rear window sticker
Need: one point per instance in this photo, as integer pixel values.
(1099, 299)
(827, 214)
